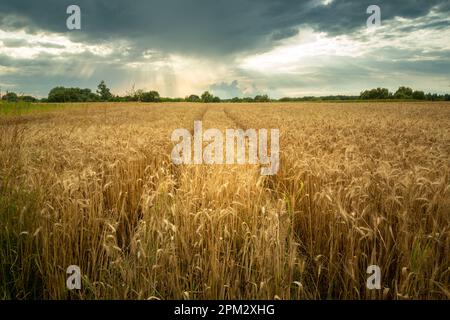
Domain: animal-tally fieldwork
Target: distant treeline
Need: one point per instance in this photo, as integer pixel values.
(403, 93)
(103, 93)
(321, 98)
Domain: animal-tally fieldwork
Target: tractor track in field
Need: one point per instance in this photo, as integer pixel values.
(175, 170)
(239, 124)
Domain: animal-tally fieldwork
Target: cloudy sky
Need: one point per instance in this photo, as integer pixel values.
(230, 47)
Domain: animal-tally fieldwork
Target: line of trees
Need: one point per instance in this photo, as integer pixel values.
(322, 98)
(403, 93)
(13, 97)
(103, 93)
(61, 94)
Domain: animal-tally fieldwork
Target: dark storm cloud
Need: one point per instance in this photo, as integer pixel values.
(202, 26)
(284, 33)
(83, 70)
(144, 35)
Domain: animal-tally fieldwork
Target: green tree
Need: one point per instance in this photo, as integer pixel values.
(10, 97)
(207, 97)
(150, 96)
(378, 93)
(262, 98)
(104, 92)
(403, 93)
(193, 98)
(418, 95)
(61, 94)
(27, 99)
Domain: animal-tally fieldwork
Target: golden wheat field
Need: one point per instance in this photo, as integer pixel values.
(359, 184)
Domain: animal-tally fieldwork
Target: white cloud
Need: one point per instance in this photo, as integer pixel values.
(302, 51)
(7, 70)
(317, 63)
(46, 43)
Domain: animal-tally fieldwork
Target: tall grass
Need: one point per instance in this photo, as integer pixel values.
(358, 185)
